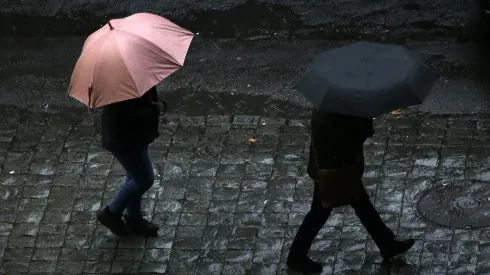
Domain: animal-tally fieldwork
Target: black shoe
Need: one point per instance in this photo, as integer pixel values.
(138, 226)
(113, 222)
(304, 265)
(397, 248)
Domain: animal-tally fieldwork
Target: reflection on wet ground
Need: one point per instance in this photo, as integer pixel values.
(195, 103)
(230, 194)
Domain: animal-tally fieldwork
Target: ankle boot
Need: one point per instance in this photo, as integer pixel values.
(398, 247)
(138, 226)
(303, 264)
(113, 222)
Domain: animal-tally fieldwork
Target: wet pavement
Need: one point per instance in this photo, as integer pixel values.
(230, 76)
(231, 205)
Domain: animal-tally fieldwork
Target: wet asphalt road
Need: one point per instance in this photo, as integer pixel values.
(226, 77)
(246, 19)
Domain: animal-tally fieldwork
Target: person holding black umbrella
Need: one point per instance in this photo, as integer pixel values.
(337, 143)
(348, 87)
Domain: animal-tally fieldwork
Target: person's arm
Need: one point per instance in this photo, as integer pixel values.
(334, 140)
(153, 94)
(162, 107)
(159, 106)
(323, 140)
(323, 145)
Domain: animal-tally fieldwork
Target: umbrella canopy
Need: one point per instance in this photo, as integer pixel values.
(366, 79)
(126, 57)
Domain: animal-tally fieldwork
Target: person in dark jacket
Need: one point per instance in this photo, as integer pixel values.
(127, 129)
(338, 141)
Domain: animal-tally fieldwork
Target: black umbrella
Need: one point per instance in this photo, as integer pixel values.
(366, 79)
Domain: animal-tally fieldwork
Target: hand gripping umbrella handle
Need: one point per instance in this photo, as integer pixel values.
(89, 97)
(164, 107)
(89, 101)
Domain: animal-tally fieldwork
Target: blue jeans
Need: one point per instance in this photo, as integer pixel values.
(139, 178)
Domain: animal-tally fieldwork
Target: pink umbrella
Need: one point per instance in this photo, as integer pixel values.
(126, 57)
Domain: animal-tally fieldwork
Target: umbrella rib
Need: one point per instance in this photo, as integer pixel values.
(96, 62)
(154, 74)
(143, 59)
(123, 60)
(375, 63)
(177, 29)
(171, 58)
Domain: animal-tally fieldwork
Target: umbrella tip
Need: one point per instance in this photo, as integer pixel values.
(109, 23)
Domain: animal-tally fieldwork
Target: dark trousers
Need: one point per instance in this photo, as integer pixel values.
(139, 178)
(317, 217)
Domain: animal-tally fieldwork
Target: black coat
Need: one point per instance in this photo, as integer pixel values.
(338, 141)
(130, 124)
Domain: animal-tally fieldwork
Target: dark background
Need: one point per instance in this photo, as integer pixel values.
(240, 19)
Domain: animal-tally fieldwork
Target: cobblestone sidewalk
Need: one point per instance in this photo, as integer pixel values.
(228, 205)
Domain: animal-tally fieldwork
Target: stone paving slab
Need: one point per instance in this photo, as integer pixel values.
(227, 205)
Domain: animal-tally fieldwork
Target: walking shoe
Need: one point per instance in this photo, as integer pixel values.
(304, 265)
(397, 248)
(138, 226)
(113, 222)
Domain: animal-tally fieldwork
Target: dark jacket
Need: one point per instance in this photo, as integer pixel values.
(338, 141)
(130, 124)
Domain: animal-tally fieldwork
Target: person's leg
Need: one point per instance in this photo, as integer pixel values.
(377, 229)
(133, 208)
(117, 204)
(311, 225)
(139, 179)
(142, 176)
(371, 220)
(111, 215)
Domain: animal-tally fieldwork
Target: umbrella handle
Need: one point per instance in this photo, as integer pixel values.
(165, 106)
(89, 97)
(88, 106)
(109, 23)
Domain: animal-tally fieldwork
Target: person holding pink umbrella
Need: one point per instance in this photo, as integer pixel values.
(127, 128)
(118, 70)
